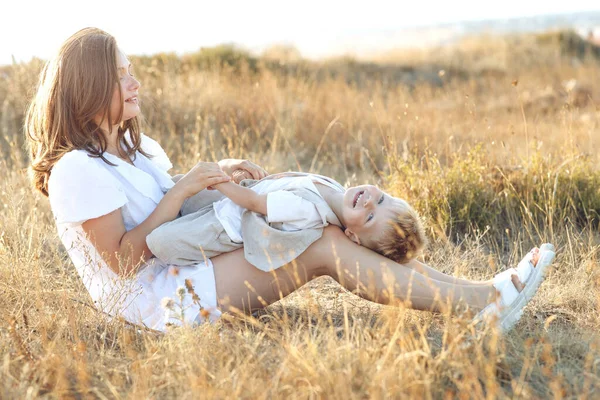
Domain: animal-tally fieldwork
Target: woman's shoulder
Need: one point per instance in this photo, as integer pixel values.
(77, 166)
(72, 162)
(72, 159)
(158, 155)
(80, 188)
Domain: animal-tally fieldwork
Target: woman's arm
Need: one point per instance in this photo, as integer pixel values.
(124, 251)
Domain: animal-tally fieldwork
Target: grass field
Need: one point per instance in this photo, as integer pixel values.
(495, 141)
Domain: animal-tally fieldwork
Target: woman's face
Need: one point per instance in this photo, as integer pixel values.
(129, 90)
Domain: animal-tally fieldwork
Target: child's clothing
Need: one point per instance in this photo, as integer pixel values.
(296, 216)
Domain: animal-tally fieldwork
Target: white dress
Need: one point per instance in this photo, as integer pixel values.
(82, 188)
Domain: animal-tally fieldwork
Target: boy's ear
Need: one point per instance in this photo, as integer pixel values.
(353, 236)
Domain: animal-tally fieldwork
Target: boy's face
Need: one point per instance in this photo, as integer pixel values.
(366, 212)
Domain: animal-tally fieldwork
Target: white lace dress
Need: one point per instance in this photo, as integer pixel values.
(82, 188)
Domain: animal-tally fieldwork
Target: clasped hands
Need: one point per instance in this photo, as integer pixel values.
(205, 174)
(239, 170)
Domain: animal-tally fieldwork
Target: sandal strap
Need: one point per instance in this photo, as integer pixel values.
(525, 268)
(547, 247)
(504, 285)
(489, 311)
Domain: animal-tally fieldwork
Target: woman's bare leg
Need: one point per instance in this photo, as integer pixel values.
(357, 268)
(245, 287)
(379, 279)
(426, 270)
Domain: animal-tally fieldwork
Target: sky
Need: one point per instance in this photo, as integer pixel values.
(316, 27)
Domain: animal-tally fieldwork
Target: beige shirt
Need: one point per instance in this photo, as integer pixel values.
(285, 210)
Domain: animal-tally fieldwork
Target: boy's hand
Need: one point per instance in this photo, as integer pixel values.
(200, 177)
(239, 175)
(250, 170)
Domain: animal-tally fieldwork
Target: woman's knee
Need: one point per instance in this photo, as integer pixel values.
(321, 257)
(333, 241)
(333, 234)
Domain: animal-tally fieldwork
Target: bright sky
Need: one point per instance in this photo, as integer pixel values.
(315, 27)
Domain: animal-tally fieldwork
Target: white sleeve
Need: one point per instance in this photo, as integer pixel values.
(79, 189)
(284, 206)
(159, 157)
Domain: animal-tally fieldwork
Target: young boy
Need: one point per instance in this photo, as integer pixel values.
(277, 218)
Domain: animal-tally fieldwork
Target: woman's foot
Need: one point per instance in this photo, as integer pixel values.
(514, 288)
(524, 269)
(518, 278)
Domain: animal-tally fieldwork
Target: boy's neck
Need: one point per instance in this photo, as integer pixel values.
(333, 198)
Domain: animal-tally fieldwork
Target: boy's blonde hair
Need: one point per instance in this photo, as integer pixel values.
(405, 236)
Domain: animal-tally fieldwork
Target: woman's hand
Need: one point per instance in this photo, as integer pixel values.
(249, 169)
(200, 177)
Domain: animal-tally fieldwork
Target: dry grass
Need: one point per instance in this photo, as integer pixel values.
(495, 151)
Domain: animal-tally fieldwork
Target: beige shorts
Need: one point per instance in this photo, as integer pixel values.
(190, 239)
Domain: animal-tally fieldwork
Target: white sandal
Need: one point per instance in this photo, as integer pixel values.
(525, 267)
(509, 307)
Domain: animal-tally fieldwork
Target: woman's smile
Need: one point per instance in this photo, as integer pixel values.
(132, 99)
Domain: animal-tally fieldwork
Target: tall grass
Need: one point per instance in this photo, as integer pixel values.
(486, 139)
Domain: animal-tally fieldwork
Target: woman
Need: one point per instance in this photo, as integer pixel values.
(107, 182)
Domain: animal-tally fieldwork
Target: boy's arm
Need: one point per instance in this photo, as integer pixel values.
(244, 197)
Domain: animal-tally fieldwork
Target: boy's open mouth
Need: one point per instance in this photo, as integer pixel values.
(356, 197)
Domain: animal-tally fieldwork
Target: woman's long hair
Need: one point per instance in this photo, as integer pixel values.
(76, 86)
